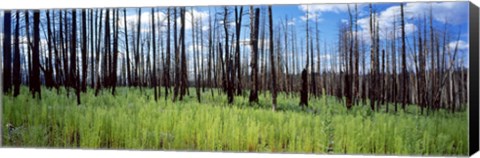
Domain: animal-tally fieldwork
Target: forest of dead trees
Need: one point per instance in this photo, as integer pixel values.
(99, 50)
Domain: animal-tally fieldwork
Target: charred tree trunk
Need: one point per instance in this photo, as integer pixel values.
(49, 82)
(84, 51)
(154, 78)
(238, 28)
(7, 51)
(176, 89)
(254, 22)
(166, 74)
(16, 58)
(127, 50)
(184, 77)
(272, 60)
(404, 61)
(114, 61)
(229, 78)
(304, 92)
(35, 56)
(74, 82)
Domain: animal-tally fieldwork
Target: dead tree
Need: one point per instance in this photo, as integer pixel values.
(404, 61)
(229, 77)
(154, 75)
(254, 22)
(16, 58)
(7, 52)
(272, 60)
(84, 50)
(238, 28)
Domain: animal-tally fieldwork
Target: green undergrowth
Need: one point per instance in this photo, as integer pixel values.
(133, 120)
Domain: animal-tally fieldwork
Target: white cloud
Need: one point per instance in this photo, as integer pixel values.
(336, 8)
(453, 12)
(315, 11)
(291, 22)
(462, 45)
(145, 17)
(202, 15)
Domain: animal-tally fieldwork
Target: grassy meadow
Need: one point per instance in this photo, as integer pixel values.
(133, 120)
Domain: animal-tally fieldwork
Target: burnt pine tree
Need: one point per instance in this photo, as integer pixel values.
(92, 47)
(16, 58)
(404, 61)
(74, 82)
(154, 75)
(229, 76)
(183, 77)
(137, 51)
(372, 59)
(304, 91)
(106, 52)
(349, 44)
(238, 28)
(7, 52)
(36, 55)
(166, 74)
(84, 50)
(127, 53)
(114, 61)
(254, 22)
(195, 55)
(176, 88)
(49, 82)
(272, 60)
(29, 49)
(98, 20)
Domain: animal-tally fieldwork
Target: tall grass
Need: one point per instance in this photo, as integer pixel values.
(133, 120)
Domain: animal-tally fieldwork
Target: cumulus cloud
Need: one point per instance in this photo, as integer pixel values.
(315, 11)
(451, 12)
(336, 8)
(146, 18)
(462, 45)
(197, 15)
(291, 22)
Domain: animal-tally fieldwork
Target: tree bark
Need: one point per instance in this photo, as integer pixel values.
(7, 51)
(35, 56)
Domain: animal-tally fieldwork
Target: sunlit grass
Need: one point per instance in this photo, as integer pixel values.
(133, 120)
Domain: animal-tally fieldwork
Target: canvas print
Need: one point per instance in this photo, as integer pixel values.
(366, 78)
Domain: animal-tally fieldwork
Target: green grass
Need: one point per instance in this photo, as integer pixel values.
(133, 120)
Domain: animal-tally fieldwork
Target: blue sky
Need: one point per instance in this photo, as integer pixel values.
(330, 16)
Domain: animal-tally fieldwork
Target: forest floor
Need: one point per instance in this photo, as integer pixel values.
(133, 120)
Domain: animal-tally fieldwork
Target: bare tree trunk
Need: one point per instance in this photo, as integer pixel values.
(166, 74)
(7, 51)
(114, 61)
(254, 22)
(92, 37)
(272, 60)
(238, 29)
(84, 50)
(184, 77)
(127, 53)
(154, 78)
(16, 58)
(404, 61)
(99, 83)
(229, 76)
(304, 92)
(74, 82)
(372, 61)
(49, 82)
